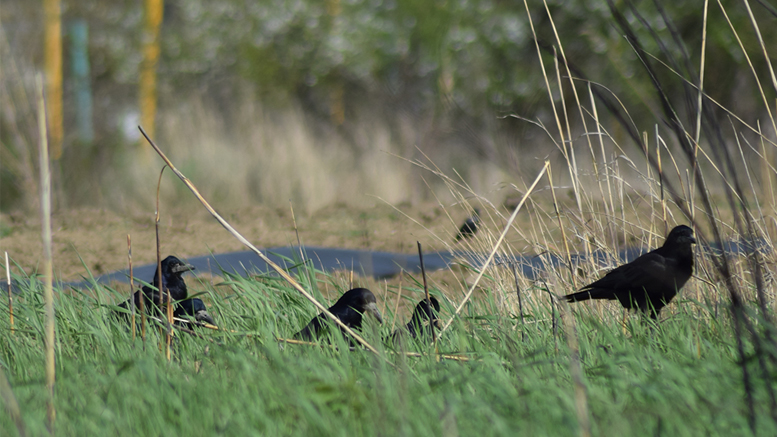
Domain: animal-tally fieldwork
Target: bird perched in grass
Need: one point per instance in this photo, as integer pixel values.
(470, 226)
(423, 316)
(195, 308)
(350, 309)
(649, 282)
(172, 281)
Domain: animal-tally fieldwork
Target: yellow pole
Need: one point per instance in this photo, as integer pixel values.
(151, 50)
(53, 64)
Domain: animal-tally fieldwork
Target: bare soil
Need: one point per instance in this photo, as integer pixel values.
(96, 239)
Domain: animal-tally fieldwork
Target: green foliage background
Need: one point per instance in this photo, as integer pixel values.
(444, 70)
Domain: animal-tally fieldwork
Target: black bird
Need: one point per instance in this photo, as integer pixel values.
(649, 282)
(172, 269)
(419, 323)
(193, 307)
(470, 226)
(349, 309)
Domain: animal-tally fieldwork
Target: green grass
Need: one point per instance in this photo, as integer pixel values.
(680, 378)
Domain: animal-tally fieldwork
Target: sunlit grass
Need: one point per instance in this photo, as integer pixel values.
(680, 377)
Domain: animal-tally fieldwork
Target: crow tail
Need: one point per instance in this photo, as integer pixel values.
(589, 294)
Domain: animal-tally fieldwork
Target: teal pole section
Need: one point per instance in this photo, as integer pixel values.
(79, 52)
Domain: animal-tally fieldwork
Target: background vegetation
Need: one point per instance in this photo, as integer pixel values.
(308, 99)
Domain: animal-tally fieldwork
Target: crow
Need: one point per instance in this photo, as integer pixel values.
(470, 226)
(649, 282)
(422, 317)
(349, 309)
(193, 307)
(172, 269)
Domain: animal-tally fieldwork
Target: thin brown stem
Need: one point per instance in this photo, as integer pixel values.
(426, 293)
(10, 292)
(132, 286)
(48, 292)
(496, 246)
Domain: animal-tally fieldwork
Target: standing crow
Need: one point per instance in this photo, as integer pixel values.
(349, 309)
(649, 282)
(419, 323)
(172, 269)
(470, 226)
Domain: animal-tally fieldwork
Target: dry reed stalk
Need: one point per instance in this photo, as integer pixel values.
(426, 293)
(700, 106)
(661, 184)
(160, 289)
(650, 194)
(501, 238)
(10, 293)
(385, 301)
(48, 292)
(438, 356)
(396, 307)
(520, 302)
(132, 287)
(162, 297)
(168, 328)
(142, 309)
(9, 400)
(299, 241)
(285, 275)
(569, 154)
(563, 231)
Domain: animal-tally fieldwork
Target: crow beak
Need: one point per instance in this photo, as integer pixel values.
(203, 316)
(693, 240)
(437, 324)
(182, 268)
(372, 308)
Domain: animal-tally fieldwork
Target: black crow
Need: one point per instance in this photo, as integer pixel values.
(172, 269)
(470, 226)
(649, 282)
(195, 308)
(419, 323)
(349, 309)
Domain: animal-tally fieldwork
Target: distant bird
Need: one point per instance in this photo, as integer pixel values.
(420, 321)
(194, 308)
(470, 226)
(172, 269)
(349, 309)
(649, 282)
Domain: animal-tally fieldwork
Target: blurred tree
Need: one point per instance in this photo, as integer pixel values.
(54, 75)
(450, 66)
(148, 96)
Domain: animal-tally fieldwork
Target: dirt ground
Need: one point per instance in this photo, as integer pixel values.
(99, 236)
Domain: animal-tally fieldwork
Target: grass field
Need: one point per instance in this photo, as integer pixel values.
(678, 378)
